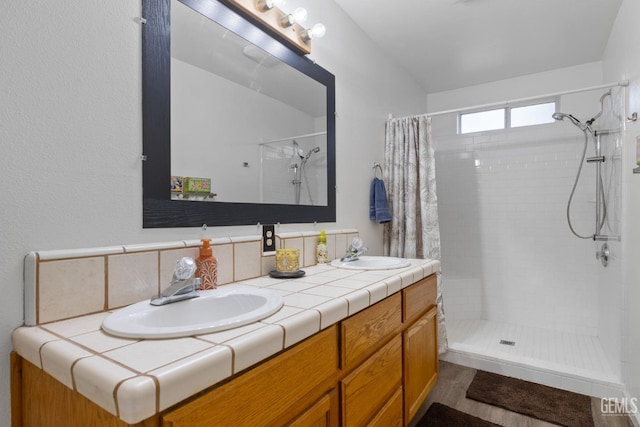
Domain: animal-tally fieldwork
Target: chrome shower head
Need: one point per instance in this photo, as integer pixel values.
(314, 150)
(576, 122)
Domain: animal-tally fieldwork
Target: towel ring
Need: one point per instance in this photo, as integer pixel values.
(376, 167)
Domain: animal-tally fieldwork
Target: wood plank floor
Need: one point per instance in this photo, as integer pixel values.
(452, 386)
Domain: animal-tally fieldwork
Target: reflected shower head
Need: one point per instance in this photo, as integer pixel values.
(315, 150)
(562, 116)
(297, 150)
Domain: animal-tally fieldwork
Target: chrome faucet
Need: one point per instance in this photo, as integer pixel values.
(355, 250)
(183, 285)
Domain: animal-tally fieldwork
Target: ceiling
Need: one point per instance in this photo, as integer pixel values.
(449, 44)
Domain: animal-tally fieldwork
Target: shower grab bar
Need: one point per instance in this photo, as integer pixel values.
(595, 159)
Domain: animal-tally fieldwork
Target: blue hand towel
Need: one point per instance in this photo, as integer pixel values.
(372, 200)
(379, 204)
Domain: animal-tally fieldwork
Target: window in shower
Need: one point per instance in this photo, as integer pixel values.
(507, 117)
(536, 114)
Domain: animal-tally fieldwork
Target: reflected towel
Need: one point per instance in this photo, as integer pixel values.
(378, 204)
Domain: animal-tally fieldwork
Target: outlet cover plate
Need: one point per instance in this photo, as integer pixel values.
(268, 238)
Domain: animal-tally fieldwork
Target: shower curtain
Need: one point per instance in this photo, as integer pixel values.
(414, 230)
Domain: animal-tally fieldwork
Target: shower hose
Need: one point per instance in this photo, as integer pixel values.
(573, 190)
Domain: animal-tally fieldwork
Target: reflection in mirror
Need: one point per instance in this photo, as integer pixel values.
(224, 101)
(238, 111)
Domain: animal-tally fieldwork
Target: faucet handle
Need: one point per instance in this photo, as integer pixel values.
(185, 268)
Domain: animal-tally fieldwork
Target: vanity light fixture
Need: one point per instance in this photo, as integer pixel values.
(285, 26)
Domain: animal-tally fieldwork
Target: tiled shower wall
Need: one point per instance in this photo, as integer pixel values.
(507, 252)
(62, 284)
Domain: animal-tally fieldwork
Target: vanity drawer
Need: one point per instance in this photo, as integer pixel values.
(418, 298)
(269, 393)
(364, 332)
(370, 386)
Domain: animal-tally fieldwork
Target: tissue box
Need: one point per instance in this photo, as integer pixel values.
(197, 185)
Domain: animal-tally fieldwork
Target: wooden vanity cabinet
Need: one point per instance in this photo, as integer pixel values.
(374, 368)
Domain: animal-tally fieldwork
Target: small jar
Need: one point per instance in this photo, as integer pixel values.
(287, 260)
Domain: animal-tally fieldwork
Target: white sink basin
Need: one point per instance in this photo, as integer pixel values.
(214, 310)
(372, 263)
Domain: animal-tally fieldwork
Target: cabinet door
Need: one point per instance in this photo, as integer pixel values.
(391, 413)
(420, 362)
(366, 390)
(324, 413)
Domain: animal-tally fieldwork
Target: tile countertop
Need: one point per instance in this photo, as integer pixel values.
(135, 379)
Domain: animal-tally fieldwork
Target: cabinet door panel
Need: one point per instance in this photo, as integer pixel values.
(391, 414)
(420, 361)
(369, 386)
(362, 333)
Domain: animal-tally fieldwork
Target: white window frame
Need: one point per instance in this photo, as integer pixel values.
(507, 113)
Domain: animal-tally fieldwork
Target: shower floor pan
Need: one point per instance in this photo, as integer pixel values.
(567, 361)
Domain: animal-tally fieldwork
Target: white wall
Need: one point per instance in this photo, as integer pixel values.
(621, 61)
(71, 134)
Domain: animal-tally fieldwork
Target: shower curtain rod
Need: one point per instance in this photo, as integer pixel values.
(531, 98)
(308, 135)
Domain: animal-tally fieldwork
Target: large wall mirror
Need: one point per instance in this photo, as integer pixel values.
(224, 101)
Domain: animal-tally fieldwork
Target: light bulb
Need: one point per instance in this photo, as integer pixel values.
(264, 5)
(318, 31)
(300, 15)
(315, 32)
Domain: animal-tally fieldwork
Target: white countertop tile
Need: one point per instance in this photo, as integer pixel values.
(99, 341)
(96, 378)
(358, 300)
(77, 326)
(192, 374)
(27, 342)
(133, 403)
(58, 357)
(304, 301)
(251, 348)
(327, 291)
(147, 355)
(332, 311)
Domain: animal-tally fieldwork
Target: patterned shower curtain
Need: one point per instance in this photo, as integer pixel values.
(414, 231)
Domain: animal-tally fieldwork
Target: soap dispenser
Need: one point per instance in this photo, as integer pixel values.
(321, 248)
(207, 266)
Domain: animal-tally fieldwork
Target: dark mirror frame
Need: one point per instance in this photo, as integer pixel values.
(159, 211)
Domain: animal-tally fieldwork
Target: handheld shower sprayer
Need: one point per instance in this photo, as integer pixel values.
(576, 122)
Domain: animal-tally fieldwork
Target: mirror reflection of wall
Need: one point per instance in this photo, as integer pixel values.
(228, 98)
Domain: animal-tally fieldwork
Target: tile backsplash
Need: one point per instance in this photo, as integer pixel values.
(62, 284)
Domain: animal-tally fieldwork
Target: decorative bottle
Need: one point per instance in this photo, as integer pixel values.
(207, 266)
(321, 248)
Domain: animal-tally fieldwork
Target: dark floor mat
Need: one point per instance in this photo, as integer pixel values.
(548, 404)
(439, 415)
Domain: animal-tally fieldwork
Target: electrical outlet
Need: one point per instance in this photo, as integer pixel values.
(268, 238)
